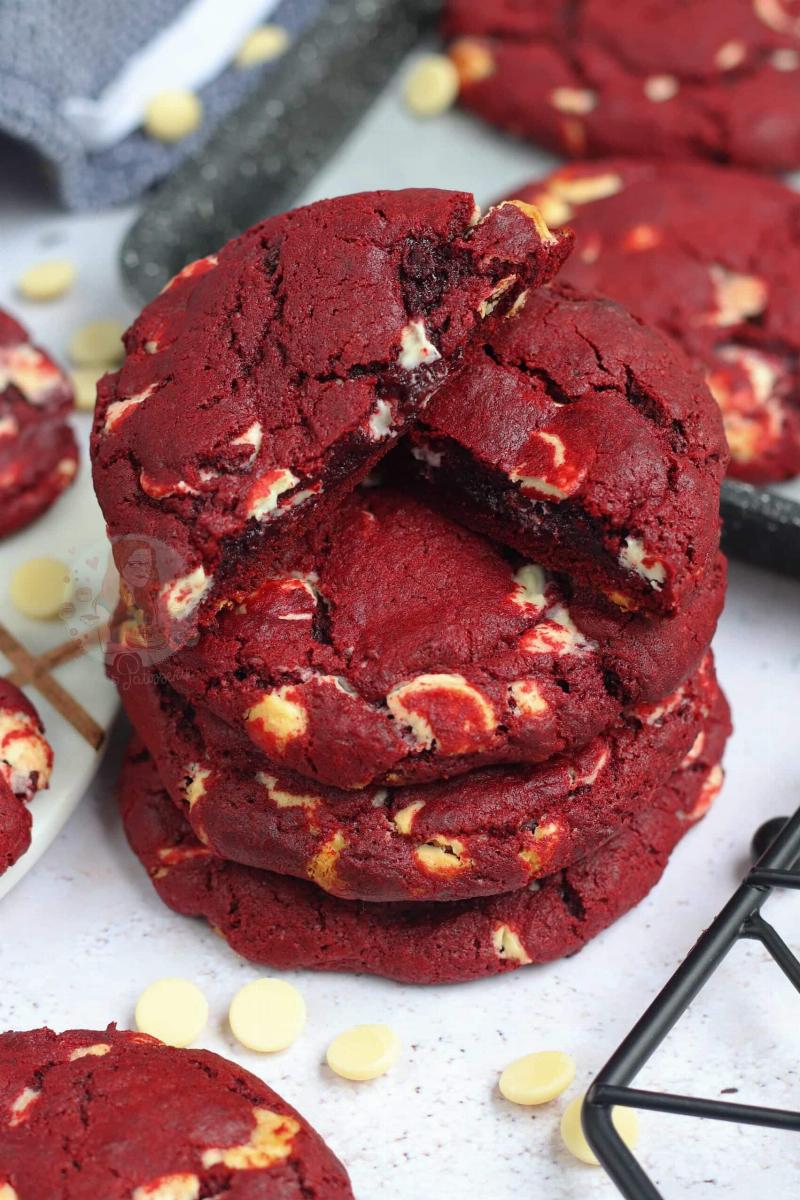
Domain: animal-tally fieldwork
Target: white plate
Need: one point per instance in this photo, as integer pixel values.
(73, 531)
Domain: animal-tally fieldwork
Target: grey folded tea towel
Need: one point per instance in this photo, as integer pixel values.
(76, 75)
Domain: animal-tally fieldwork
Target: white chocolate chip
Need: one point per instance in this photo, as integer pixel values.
(625, 1121)
(738, 296)
(642, 237)
(265, 493)
(263, 44)
(7, 1192)
(29, 370)
(401, 703)
(97, 1050)
(585, 189)
(556, 634)
(432, 86)
(253, 437)
(659, 88)
(785, 60)
(98, 344)
(117, 410)
(577, 101)
(47, 280)
(442, 855)
(169, 1187)
(528, 698)
(404, 817)
(26, 759)
(634, 557)
(415, 347)
(200, 266)
(473, 60)
(381, 423)
(364, 1052)
(40, 588)
(194, 788)
(322, 867)
(280, 714)
(731, 55)
(508, 945)
(424, 454)
(267, 1015)
(21, 1106)
(173, 1010)
(172, 115)
(563, 480)
(270, 1142)
(774, 15)
(537, 1078)
(531, 582)
(487, 306)
(283, 799)
(182, 596)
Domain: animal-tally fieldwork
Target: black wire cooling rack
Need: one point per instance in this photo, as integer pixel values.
(777, 849)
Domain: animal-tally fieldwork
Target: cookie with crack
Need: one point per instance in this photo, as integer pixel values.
(118, 1115)
(586, 440)
(697, 79)
(38, 452)
(491, 831)
(287, 365)
(26, 760)
(286, 923)
(710, 255)
(397, 646)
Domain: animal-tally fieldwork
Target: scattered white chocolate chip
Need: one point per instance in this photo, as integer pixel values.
(98, 344)
(21, 1106)
(270, 1142)
(182, 596)
(26, 759)
(537, 1078)
(415, 347)
(432, 86)
(266, 492)
(267, 1015)
(508, 945)
(283, 799)
(119, 409)
(738, 296)
(195, 780)
(584, 189)
(403, 819)
(405, 700)
(730, 55)
(7, 1192)
(472, 59)
(556, 634)
(528, 698)
(173, 1010)
(261, 45)
(659, 88)
(625, 1121)
(97, 1050)
(169, 1187)
(442, 855)
(40, 588)
(579, 101)
(785, 60)
(280, 714)
(773, 14)
(47, 280)
(84, 385)
(363, 1052)
(634, 557)
(381, 422)
(172, 114)
(321, 869)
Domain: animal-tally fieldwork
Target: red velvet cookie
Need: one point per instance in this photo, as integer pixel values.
(38, 453)
(586, 440)
(713, 78)
(491, 831)
(287, 923)
(26, 761)
(265, 381)
(111, 1115)
(712, 256)
(396, 646)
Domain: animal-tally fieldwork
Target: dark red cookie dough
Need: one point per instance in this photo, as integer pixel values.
(266, 380)
(26, 760)
(712, 256)
(111, 1115)
(586, 440)
(491, 831)
(38, 452)
(718, 79)
(286, 923)
(395, 645)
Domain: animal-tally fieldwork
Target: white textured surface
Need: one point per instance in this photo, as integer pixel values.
(83, 933)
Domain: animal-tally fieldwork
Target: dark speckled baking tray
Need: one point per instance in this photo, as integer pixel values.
(263, 155)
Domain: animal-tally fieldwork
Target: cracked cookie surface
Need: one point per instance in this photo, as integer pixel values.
(286, 923)
(289, 363)
(710, 255)
(105, 1113)
(587, 441)
(719, 80)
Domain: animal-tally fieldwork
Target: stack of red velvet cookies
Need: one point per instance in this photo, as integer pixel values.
(420, 567)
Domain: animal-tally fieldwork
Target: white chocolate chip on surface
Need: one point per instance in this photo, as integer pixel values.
(270, 1142)
(473, 60)
(738, 296)
(363, 1052)
(403, 819)
(635, 557)
(415, 347)
(508, 945)
(97, 1050)
(98, 344)
(119, 409)
(182, 596)
(169, 1187)
(773, 13)
(266, 492)
(625, 1121)
(47, 280)
(410, 704)
(381, 422)
(280, 715)
(528, 698)
(537, 1078)
(172, 115)
(659, 88)
(785, 59)
(21, 1106)
(432, 86)
(40, 588)
(173, 1010)
(730, 55)
(263, 44)
(321, 869)
(7, 1192)
(442, 855)
(267, 1015)
(577, 101)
